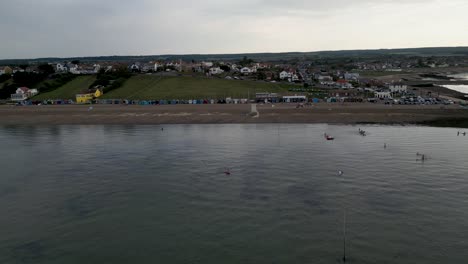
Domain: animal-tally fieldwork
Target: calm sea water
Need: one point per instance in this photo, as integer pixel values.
(136, 194)
(457, 87)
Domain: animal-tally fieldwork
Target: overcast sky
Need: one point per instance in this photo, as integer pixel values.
(66, 28)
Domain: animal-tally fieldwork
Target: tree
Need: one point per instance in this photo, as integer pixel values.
(246, 61)
(75, 62)
(4, 77)
(225, 68)
(261, 75)
(7, 90)
(46, 69)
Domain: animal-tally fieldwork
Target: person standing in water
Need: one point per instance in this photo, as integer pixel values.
(385, 146)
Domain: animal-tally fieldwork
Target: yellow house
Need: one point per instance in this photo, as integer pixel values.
(88, 97)
(6, 70)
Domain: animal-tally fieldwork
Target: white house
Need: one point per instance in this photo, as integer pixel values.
(398, 88)
(322, 78)
(135, 67)
(383, 95)
(156, 66)
(246, 70)
(295, 99)
(285, 75)
(60, 68)
(97, 68)
(23, 93)
(73, 68)
(294, 78)
(351, 76)
(216, 70)
(207, 64)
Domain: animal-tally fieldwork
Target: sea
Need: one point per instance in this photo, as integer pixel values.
(463, 88)
(235, 193)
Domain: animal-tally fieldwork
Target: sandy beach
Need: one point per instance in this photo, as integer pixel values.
(214, 114)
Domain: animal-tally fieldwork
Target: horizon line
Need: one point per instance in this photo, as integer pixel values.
(231, 54)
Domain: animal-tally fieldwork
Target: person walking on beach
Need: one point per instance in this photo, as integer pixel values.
(458, 134)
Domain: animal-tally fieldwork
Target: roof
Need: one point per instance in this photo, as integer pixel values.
(24, 89)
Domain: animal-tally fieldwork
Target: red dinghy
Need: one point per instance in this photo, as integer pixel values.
(328, 137)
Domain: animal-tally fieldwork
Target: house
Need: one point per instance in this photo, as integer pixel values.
(246, 70)
(6, 70)
(295, 99)
(383, 95)
(266, 98)
(285, 75)
(324, 78)
(294, 78)
(85, 98)
(61, 68)
(23, 93)
(73, 68)
(343, 84)
(97, 68)
(216, 70)
(351, 76)
(135, 67)
(147, 67)
(343, 93)
(398, 88)
(207, 64)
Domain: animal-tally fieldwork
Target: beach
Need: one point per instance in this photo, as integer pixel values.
(352, 113)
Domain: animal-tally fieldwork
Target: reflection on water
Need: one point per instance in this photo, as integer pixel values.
(136, 194)
(457, 87)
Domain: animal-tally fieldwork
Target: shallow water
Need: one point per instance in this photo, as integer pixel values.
(136, 194)
(457, 87)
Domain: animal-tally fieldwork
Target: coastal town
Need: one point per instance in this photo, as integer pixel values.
(410, 81)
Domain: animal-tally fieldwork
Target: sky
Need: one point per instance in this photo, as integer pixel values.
(73, 28)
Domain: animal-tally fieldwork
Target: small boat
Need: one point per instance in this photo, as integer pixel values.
(328, 137)
(227, 171)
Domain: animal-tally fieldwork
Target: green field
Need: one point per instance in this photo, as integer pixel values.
(69, 90)
(149, 87)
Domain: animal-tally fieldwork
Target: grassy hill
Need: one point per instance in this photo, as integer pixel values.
(69, 90)
(156, 87)
(433, 51)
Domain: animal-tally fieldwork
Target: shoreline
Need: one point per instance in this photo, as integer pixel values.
(348, 114)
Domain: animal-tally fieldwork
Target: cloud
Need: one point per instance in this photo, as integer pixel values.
(31, 28)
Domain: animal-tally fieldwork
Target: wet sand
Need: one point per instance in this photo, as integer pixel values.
(214, 114)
